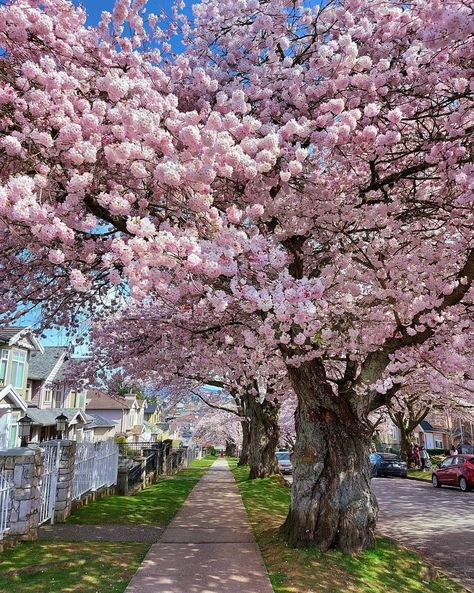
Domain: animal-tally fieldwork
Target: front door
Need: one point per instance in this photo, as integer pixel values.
(445, 472)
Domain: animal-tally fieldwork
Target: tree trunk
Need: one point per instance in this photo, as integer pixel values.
(264, 434)
(407, 441)
(245, 451)
(332, 505)
(230, 449)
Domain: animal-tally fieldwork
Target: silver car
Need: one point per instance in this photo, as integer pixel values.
(284, 462)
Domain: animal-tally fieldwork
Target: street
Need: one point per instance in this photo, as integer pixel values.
(437, 523)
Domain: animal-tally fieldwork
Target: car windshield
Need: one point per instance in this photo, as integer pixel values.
(283, 456)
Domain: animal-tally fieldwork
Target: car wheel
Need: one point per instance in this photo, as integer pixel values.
(436, 482)
(464, 485)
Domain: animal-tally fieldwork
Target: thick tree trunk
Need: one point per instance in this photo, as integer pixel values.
(245, 451)
(332, 505)
(407, 441)
(230, 448)
(264, 434)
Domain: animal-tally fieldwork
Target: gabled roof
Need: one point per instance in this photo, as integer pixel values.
(11, 334)
(12, 395)
(96, 421)
(97, 400)
(426, 426)
(43, 364)
(48, 417)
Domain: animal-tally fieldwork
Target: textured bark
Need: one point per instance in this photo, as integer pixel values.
(230, 448)
(332, 504)
(245, 451)
(264, 435)
(407, 441)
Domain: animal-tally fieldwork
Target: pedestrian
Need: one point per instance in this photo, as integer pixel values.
(453, 450)
(416, 455)
(424, 458)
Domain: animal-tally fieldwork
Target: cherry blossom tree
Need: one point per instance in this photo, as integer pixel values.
(183, 349)
(219, 428)
(310, 167)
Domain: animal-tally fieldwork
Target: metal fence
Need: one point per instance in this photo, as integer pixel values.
(5, 488)
(142, 449)
(49, 480)
(95, 466)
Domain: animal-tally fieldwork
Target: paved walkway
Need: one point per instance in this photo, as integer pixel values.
(208, 547)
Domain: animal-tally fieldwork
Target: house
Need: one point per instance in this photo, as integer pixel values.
(125, 412)
(12, 407)
(432, 435)
(16, 347)
(50, 395)
(98, 428)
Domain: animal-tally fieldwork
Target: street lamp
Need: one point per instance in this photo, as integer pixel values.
(24, 425)
(61, 425)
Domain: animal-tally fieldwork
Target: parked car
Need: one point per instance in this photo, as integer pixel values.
(284, 462)
(387, 464)
(457, 470)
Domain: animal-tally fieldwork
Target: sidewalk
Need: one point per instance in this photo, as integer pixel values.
(208, 547)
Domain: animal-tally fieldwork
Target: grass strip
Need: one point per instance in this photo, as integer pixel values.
(389, 568)
(69, 567)
(422, 475)
(155, 505)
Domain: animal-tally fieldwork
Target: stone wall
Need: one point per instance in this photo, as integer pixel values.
(65, 478)
(23, 467)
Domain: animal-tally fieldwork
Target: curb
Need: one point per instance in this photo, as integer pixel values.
(418, 479)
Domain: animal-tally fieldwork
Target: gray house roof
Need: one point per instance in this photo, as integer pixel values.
(151, 408)
(48, 417)
(42, 364)
(96, 421)
(426, 426)
(9, 332)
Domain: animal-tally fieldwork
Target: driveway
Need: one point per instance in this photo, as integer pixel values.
(438, 523)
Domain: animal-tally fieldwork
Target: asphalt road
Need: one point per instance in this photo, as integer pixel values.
(438, 523)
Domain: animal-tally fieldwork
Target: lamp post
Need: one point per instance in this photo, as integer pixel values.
(24, 429)
(61, 425)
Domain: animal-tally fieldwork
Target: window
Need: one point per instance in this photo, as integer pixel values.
(447, 462)
(458, 461)
(48, 394)
(438, 444)
(3, 365)
(58, 397)
(18, 368)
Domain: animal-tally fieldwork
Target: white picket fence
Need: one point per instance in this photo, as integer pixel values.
(5, 488)
(95, 465)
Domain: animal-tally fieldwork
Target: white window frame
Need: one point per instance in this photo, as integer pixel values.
(4, 355)
(48, 395)
(16, 364)
(438, 444)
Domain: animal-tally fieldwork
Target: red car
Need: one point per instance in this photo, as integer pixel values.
(457, 470)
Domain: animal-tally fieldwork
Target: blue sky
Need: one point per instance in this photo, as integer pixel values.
(95, 7)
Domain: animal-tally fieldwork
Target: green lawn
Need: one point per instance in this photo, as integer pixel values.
(67, 567)
(388, 568)
(417, 473)
(156, 505)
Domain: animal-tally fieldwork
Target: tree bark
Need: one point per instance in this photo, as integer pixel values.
(230, 448)
(264, 434)
(332, 505)
(245, 451)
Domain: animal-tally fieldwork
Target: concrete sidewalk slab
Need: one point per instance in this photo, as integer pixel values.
(209, 546)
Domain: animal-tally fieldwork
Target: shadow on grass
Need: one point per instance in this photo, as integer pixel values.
(155, 505)
(57, 567)
(388, 568)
